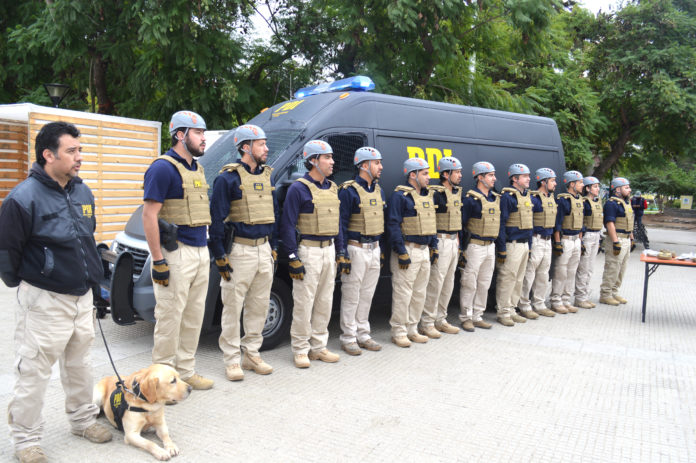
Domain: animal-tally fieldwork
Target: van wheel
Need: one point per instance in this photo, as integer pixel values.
(277, 327)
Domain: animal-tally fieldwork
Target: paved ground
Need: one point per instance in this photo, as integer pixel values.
(594, 386)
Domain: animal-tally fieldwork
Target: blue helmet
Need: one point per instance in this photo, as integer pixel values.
(186, 120)
(314, 148)
(448, 163)
(366, 153)
(518, 169)
(544, 173)
(412, 164)
(248, 132)
(619, 182)
(482, 167)
(572, 176)
(587, 181)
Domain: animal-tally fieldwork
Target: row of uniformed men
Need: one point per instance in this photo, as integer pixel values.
(340, 230)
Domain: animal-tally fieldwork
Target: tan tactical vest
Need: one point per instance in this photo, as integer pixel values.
(595, 221)
(256, 204)
(194, 208)
(522, 217)
(450, 220)
(624, 223)
(488, 226)
(324, 220)
(370, 220)
(547, 217)
(424, 222)
(574, 220)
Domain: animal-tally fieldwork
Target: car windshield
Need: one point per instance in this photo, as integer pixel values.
(224, 151)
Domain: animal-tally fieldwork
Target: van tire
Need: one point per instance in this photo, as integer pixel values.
(277, 327)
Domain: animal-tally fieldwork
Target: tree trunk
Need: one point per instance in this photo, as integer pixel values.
(106, 106)
(618, 147)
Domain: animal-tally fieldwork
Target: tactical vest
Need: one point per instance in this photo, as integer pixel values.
(547, 217)
(324, 220)
(451, 219)
(256, 204)
(488, 226)
(595, 221)
(624, 223)
(194, 208)
(370, 220)
(574, 220)
(522, 217)
(424, 222)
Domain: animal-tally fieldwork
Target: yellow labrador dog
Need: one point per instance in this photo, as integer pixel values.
(143, 407)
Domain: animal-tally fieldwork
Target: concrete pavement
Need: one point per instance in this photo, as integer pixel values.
(598, 385)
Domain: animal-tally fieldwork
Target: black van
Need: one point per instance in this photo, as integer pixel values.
(398, 127)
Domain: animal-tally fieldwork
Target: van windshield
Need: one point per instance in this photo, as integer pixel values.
(224, 151)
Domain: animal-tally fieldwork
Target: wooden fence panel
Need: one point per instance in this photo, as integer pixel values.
(14, 158)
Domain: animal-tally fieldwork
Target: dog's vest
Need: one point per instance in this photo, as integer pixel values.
(119, 406)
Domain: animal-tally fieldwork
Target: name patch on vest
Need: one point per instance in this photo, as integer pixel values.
(373, 202)
(457, 203)
(87, 210)
(258, 186)
(197, 183)
(527, 203)
(491, 210)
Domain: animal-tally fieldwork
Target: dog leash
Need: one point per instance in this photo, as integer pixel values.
(120, 382)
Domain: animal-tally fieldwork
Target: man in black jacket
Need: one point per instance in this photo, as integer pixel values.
(47, 248)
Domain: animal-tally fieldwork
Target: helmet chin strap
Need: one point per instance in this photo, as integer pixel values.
(316, 164)
(183, 142)
(372, 178)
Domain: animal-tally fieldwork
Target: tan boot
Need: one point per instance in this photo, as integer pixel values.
(530, 314)
(446, 327)
(468, 325)
(583, 304)
(620, 299)
(199, 383)
(370, 344)
(351, 348)
(302, 361)
(560, 309)
(546, 312)
(234, 373)
(430, 332)
(592, 304)
(608, 301)
(517, 319)
(482, 324)
(505, 321)
(401, 341)
(571, 308)
(325, 355)
(96, 433)
(33, 454)
(256, 363)
(417, 338)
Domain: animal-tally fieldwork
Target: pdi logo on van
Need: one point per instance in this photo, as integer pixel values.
(258, 186)
(431, 155)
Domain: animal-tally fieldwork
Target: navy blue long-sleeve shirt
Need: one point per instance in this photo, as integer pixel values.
(538, 206)
(401, 205)
(471, 208)
(299, 201)
(225, 190)
(564, 210)
(508, 205)
(612, 210)
(350, 204)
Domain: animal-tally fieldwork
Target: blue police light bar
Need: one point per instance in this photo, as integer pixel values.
(356, 83)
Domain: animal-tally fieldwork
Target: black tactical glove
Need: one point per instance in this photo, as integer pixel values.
(381, 260)
(616, 248)
(160, 272)
(295, 268)
(224, 268)
(633, 244)
(434, 256)
(462, 260)
(557, 248)
(583, 250)
(343, 263)
(404, 261)
(500, 257)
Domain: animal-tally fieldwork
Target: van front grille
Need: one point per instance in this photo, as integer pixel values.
(139, 257)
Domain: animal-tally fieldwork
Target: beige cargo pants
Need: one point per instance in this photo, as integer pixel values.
(536, 276)
(564, 268)
(50, 327)
(586, 266)
(408, 290)
(180, 308)
(475, 280)
(249, 288)
(357, 289)
(441, 282)
(313, 299)
(614, 267)
(510, 276)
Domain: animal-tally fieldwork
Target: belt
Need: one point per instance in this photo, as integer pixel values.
(593, 230)
(480, 242)
(452, 236)
(542, 237)
(251, 241)
(317, 244)
(411, 244)
(623, 235)
(570, 237)
(517, 241)
(371, 245)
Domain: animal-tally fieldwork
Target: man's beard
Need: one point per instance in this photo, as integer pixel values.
(195, 152)
(259, 160)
